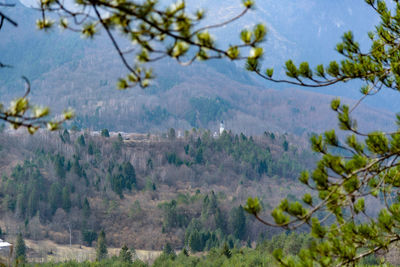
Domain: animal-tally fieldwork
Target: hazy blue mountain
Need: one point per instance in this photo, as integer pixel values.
(67, 71)
(305, 30)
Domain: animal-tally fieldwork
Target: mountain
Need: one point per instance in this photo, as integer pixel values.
(66, 71)
(143, 190)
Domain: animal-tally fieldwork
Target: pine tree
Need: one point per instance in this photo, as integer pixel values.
(20, 249)
(129, 174)
(66, 136)
(86, 208)
(105, 133)
(226, 251)
(185, 252)
(90, 148)
(195, 242)
(125, 255)
(33, 202)
(220, 221)
(59, 166)
(238, 222)
(101, 249)
(213, 204)
(54, 197)
(66, 199)
(81, 140)
(171, 134)
(88, 236)
(364, 165)
(168, 250)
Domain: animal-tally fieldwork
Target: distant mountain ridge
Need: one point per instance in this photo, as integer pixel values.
(66, 71)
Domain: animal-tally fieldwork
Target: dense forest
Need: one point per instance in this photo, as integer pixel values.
(224, 255)
(187, 190)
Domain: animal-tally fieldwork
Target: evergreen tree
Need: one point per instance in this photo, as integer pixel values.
(66, 136)
(90, 148)
(59, 166)
(33, 202)
(206, 202)
(171, 134)
(66, 199)
(77, 167)
(86, 208)
(238, 222)
(120, 139)
(185, 252)
(195, 241)
(105, 133)
(129, 174)
(285, 145)
(213, 204)
(199, 156)
(118, 183)
(81, 140)
(125, 255)
(101, 249)
(88, 236)
(226, 251)
(169, 251)
(220, 221)
(55, 197)
(21, 204)
(20, 249)
(362, 166)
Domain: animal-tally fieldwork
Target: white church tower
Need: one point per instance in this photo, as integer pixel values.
(221, 127)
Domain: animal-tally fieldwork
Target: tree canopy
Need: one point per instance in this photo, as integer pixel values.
(357, 175)
(22, 113)
(154, 32)
(353, 175)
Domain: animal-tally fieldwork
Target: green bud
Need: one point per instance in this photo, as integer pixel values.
(279, 217)
(63, 23)
(307, 198)
(44, 24)
(320, 71)
(333, 69)
(41, 112)
(52, 126)
(19, 106)
(68, 114)
(32, 129)
(248, 3)
(122, 84)
(335, 104)
(377, 142)
(291, 69)
(256, 52)
(89, 30)
(304, 70)
(359, 206)
(269, 72)
(278, 254)
(304, 176)
(233, 52)
(259, 32)
(252, 206)
(246, 35)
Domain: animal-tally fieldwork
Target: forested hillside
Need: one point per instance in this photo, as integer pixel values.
(144, 190)
(66, 71)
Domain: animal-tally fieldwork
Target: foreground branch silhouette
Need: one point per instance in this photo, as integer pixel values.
(363, 168)
(21, 113)
(155, 32)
